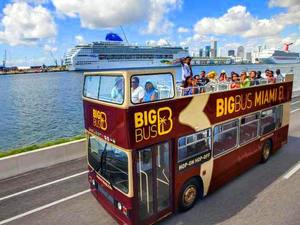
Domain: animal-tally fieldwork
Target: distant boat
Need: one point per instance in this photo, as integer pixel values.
(270, 56)
(113, 53)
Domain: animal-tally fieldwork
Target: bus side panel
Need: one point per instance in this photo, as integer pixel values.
(249, 155)
(279, 138)
(240, 160)
(225, 168)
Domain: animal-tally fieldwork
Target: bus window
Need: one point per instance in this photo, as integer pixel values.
(279, 113)
(149, 88)
(194, 144)
(104, 88)
(109, 162)
(268, 120)
(249, 128)
(225, 137)
(91, 87)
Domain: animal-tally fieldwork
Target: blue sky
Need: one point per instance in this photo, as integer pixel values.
(32, 31)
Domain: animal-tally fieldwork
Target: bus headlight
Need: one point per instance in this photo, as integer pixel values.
(119, 205)
(93, 182)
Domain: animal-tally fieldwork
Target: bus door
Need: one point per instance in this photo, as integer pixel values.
(154, 182)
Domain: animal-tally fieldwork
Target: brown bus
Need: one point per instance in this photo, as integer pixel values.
(153, 152)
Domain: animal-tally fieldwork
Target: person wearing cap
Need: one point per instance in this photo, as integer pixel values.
(151, 93)
(245, 82)
(223, 76)
(137, 92)
(117, 93)
(212, 76)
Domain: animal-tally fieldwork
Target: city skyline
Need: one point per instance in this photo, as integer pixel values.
(35, 32)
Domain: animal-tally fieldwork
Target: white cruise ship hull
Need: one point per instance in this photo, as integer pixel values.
(110, 65)
(279, 60)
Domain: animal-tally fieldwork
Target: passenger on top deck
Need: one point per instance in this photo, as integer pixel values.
(137, 92)
(234, 81)
(151, 93)
(245, 82)
(203, 79)
(186, 67)
(253, 78)
(197, 79)
(258, 75)
(190, 86)
(279, 76)
(223, 76)
(117, 93)
(270, 77)
(199, 83)
(212, 76)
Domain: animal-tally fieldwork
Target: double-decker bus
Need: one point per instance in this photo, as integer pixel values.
(155, 152)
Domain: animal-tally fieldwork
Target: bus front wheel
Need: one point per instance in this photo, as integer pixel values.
(266, 151)
(189, 194)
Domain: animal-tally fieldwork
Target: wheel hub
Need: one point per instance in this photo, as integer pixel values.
(189, 195)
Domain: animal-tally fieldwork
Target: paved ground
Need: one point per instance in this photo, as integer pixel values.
(260, 196)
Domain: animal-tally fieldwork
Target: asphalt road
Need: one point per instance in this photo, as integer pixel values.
(266, 194)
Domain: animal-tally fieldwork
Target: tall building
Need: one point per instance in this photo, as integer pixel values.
(240, 52)
(212, 53)
(207, 51)
(214, 49)
(201, 52)
(249, 56)
(231, 53)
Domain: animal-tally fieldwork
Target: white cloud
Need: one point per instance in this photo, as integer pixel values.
(292, 16)
(160, 42)
(79, 39)
(157, 22)
(283, 3)
(25, 24)
(105, 14)
(238, 21)
(183, 30)
(49, 48)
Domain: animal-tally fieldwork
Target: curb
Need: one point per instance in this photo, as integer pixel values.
(24, 162)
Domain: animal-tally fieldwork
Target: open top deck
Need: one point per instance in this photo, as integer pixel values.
(111, 108)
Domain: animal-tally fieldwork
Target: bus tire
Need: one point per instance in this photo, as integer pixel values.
(189, 194)
(266, 151)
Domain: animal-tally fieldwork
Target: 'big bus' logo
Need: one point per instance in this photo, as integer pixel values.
(99, 119)
(248, 100)
(152, 123)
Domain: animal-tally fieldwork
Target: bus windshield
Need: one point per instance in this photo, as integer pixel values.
(104, 88)
(109, 162)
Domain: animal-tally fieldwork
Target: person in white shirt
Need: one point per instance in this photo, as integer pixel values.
(279, 77)
(117, 93)
(186, 68)
(137, 92)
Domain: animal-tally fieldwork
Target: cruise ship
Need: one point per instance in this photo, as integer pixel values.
(269, 56)
(113, 53)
